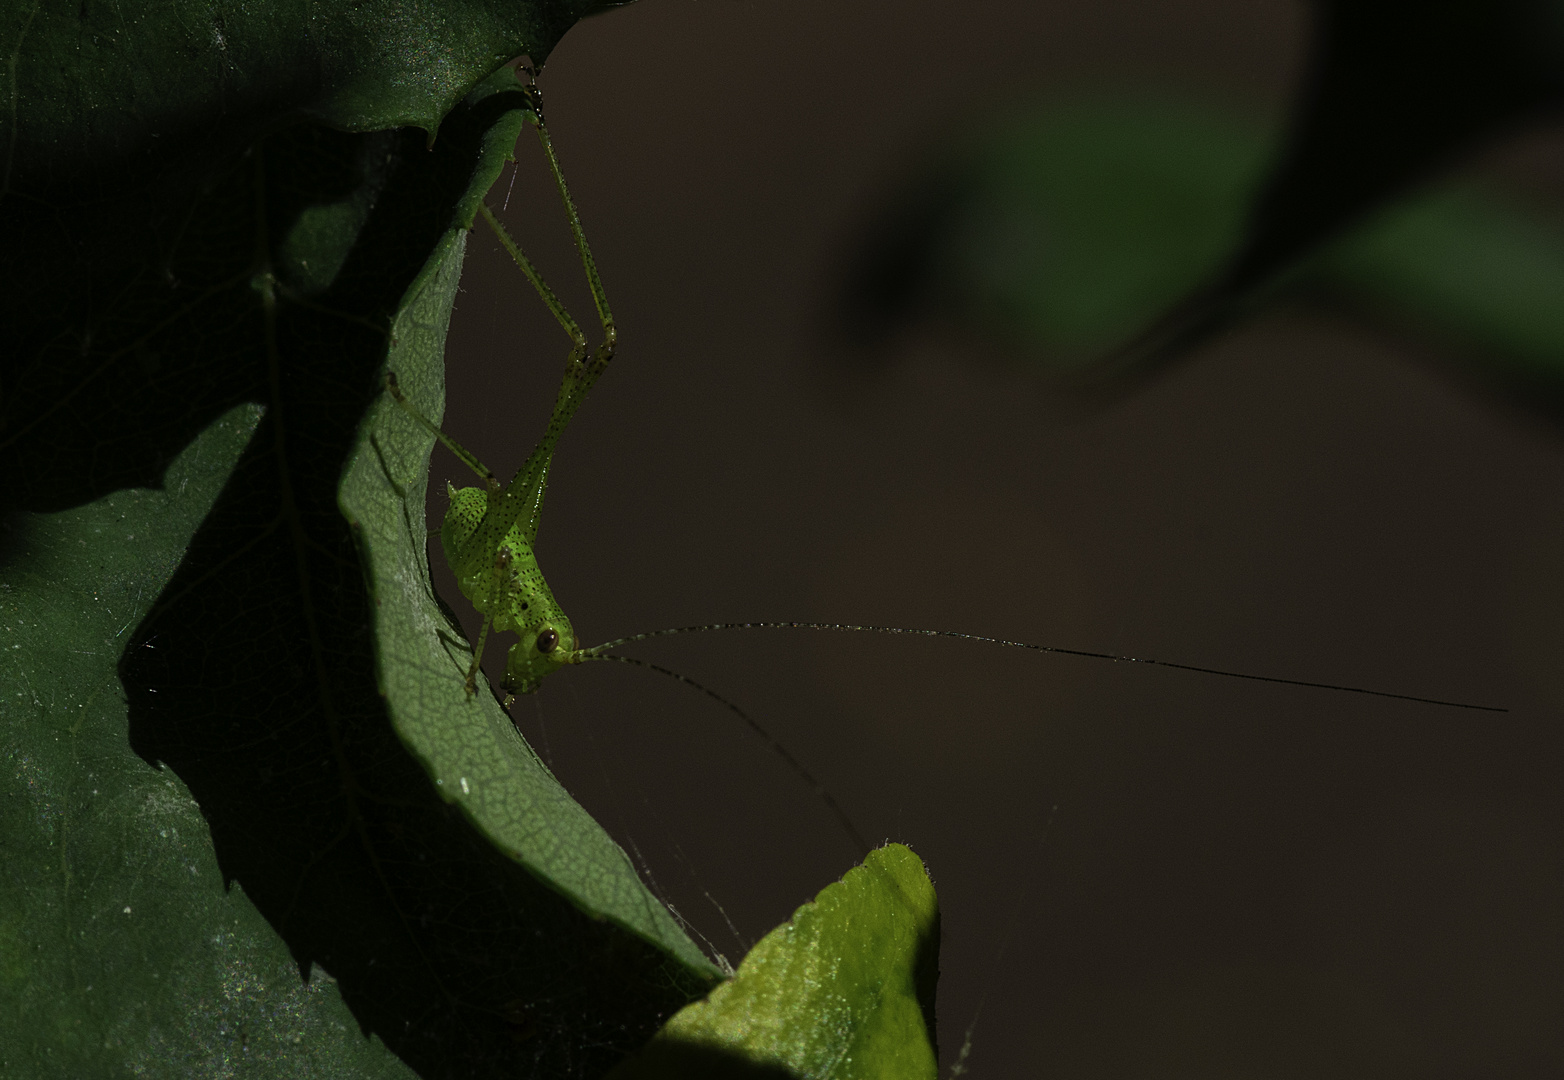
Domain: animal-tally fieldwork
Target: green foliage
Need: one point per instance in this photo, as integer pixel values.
(1066, 232)
(95, 83)
(185, 263)
(227, 696)
(467, 744)
(1473, 265)
(1396, 90)
(1127, 232)
(843, 990)
(120, 950)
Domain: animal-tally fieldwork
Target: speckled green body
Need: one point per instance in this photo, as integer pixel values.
(488, 538)
(489, 532)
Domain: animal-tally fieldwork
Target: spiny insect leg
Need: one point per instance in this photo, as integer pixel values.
(490, 480)
(534, 275)
(477, 656)
(594, 282)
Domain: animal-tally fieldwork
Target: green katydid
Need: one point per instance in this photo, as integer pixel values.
(489, 532)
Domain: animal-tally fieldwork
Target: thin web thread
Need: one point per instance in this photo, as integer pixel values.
(959, 1066)
(646, 867)
(597, 651)
(777, 748)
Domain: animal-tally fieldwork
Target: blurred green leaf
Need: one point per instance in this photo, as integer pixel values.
(1396, 91)
(1065, 230)
(1064, 233)
(846, 989)
(1468, 265)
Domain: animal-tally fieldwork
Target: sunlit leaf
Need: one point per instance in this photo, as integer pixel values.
(843, 990)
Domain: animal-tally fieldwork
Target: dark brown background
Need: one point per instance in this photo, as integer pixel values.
(1142, 872)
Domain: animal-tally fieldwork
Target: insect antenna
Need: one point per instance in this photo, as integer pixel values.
(597, 653)
(776, 747)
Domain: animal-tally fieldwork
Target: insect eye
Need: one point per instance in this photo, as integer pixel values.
(547, 640)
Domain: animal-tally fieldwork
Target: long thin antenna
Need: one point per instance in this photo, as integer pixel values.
(776, 748)
(597, 651)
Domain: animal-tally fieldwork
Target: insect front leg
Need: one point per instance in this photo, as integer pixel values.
(494, 606)
(477, 656)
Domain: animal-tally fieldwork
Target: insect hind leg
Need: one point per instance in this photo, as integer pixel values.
(605, 351)
(581, 370)
(551, 300)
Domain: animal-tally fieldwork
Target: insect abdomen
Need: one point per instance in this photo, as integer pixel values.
(468, 507)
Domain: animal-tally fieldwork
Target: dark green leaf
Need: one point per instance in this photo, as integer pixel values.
(1466, 264)
(1065, 232)
(98, 83)
(120, 950)
(162, 273)
(468, 745)
(1396, 90)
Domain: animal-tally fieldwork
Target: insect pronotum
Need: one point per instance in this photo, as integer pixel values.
(489, 531)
